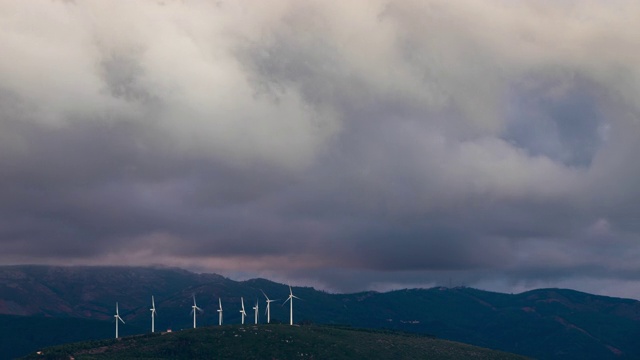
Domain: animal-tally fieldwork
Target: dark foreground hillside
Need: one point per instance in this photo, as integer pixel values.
(273, 342)
(20, 335)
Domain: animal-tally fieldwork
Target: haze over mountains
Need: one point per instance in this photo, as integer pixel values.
(356, 144)
(545, 323)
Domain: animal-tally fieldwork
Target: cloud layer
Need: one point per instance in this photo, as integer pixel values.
(370, 144)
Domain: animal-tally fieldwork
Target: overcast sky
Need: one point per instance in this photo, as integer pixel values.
(346, 145)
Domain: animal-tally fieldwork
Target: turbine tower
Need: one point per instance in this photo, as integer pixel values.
(220, 312)
(242, 312)
(117, 317)
(153, 314)
(290, 300)
(194, 309)
(255, 308)
(268, 307)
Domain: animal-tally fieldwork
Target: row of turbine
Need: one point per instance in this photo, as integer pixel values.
(195, 309)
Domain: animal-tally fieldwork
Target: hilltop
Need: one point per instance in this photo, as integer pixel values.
(544, 323)
(242, 342)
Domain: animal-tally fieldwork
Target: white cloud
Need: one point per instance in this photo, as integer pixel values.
(392, 112)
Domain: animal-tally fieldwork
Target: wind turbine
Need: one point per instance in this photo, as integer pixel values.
(194, 309)
(256, 311)
(153, 314)
(220, 312)
(290, 300)
(268, 307)
(117, 317)
(242, 312)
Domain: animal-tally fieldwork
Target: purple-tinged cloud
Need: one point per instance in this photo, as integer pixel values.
(370, 144)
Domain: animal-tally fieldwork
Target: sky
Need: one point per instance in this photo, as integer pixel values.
(354, 145)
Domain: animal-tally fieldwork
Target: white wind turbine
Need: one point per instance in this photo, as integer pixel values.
(242, 312)
(153, 314)
(268, 307)
(256, 311)
(290, 300)
(194, 309)
(117, 317)
(220, 312)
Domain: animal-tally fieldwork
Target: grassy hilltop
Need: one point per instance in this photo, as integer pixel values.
(273, 342)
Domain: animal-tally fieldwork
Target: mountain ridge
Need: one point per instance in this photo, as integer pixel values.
(542, 323)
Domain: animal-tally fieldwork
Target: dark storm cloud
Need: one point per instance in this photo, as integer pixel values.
(361, 145)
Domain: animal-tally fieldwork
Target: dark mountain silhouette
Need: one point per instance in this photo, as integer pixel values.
(545, 323)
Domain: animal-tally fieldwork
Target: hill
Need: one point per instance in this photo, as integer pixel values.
(20, 335)
(273, 342)
(544, 323)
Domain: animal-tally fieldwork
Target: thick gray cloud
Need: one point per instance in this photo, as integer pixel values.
(370, 144)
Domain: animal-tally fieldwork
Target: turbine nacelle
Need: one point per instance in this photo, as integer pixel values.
(153, 306)
(290, 300)
(117, 318)
(256, 311)
(220, 312)
(194, 310)
(268, 309)
(153, 314)
(242, 311)
(195, 307)
(117, 315)
(291, 297)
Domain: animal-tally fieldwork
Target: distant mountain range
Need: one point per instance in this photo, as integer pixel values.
(63, 304)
